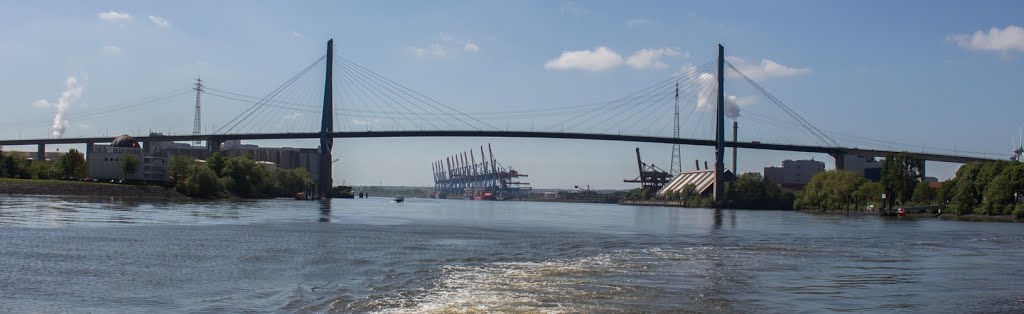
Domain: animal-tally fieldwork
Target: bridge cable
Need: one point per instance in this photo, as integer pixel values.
(409, 90)
(232, 124)
(392, 99)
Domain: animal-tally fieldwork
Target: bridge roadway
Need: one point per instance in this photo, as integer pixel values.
(219, 138)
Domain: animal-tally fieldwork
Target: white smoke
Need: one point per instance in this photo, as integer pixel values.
(70, 95)
(708, 97)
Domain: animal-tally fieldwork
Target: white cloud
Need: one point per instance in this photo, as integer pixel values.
(638, 22)
(114, 16)
(159, 21)
(296, 34)
(651, 58)
(688, 69)
(471, 47)
(767, 69)
(573, 8)
(599, 59)
(1003, 40)
(444, 45)
(434, 50)
(41, 104)
(111, 49)
(445, 37)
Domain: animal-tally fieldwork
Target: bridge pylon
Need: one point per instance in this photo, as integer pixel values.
(719, 189)
(324, 180)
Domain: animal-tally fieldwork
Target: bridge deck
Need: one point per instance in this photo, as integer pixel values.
(514, 134)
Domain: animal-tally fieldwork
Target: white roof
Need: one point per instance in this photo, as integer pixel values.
(702, 180)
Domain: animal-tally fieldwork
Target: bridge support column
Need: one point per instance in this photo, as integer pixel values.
(840, 160)
(88, 148)
(213, 145)
(921, 169)
(735, 138)
(41, 152)
(719, 189)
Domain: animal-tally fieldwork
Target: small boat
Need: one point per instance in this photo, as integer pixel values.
(901, 212)
(482, 196)
(301, 196)
(399, 199)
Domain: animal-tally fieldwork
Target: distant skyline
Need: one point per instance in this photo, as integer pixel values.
(936, 74)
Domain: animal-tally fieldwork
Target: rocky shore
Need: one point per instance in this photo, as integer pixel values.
(54, 187)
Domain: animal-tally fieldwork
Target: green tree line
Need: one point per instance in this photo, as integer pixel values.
(900, 184)
(240, 176)
(988, 188)
(982, 188)
(71, 164)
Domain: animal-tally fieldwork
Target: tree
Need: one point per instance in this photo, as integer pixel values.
(180, 167)
(203, 182)
(923, 194)
(869, 192)
(129, 164)
(291, 181)
(988, 172)
(247, 179)
(216, 163)
(835, 189)
(12, 165)
(71, 164)
(964, 198)
(998, 196)
(899, 176)
(42, 170)
(4, 165)
(946, 191)
(751, 190)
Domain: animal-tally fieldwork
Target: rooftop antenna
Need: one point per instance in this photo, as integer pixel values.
(197, 128)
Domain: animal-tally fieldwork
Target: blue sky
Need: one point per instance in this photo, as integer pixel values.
(930, 73)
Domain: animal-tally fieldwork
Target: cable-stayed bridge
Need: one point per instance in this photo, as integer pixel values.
(334, 97)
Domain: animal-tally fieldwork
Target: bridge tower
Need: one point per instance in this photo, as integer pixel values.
(677, 160)
(719, 191)
(197, 128)
(324, 181)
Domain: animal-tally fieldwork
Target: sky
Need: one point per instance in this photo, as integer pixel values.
(941, 75)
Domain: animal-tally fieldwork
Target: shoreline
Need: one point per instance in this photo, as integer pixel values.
(28, 187)
(942, 216)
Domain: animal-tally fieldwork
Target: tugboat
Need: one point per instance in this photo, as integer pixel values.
(399, 199)
(484, 196)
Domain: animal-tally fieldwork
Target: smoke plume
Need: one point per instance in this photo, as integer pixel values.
(708, 99)
(71, 94)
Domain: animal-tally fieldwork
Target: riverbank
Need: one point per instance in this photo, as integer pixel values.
(652, 203)
(941, 216)
(973, 217)
(76, 188)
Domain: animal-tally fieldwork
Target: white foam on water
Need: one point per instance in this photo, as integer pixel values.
(555, 286)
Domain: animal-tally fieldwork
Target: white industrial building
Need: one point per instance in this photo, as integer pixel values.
(105, 161)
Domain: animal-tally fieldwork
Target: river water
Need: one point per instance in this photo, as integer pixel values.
(372, 255)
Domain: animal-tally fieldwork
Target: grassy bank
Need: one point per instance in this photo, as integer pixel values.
(77, 188)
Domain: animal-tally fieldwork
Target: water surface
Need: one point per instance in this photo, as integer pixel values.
(372, 255)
